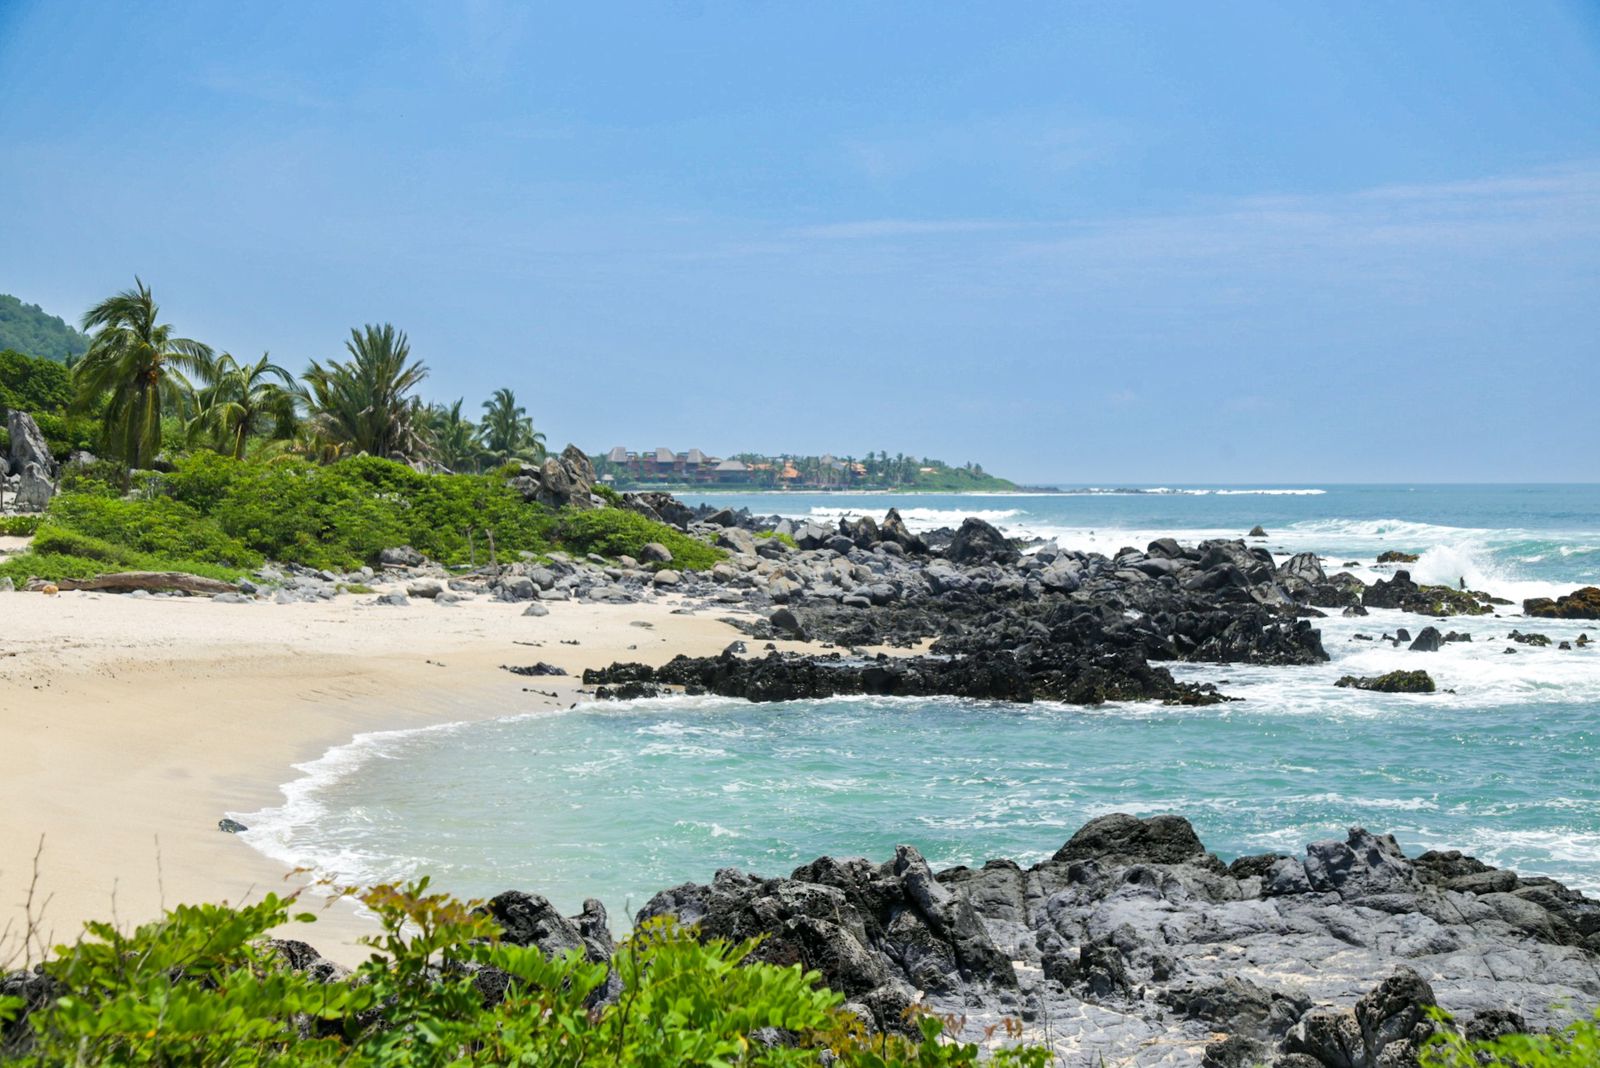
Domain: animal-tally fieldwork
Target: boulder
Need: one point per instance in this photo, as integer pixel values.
(894, 530)
(35, 490)
(1428, 641)
(1257, 531)
(1393, 682)
(28, 446)
(401, 556)
(1579, 604)
(662, 507)
(1395, 557)
(976, 542)
(655, 553)
(1123, 839)
(1305, 567)
(666, 578)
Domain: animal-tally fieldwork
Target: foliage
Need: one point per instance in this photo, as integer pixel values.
(33, 384)
(366, 404)
(159, 526)
(507, 432)
(135, 368)
(29, 329)
(455, 438)
(18, 526)
(68, 433)
(1576, 1047)
(200, 987)
(213, 513)
(617, 532)
(786, 539)
(242, 402)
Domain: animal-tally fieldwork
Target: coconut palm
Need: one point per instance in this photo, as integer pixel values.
(241, 402)
(365, 404)
(507, 431)
(136, 368)
(455, 439)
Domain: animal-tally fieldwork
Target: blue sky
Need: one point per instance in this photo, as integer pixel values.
(1075, 242)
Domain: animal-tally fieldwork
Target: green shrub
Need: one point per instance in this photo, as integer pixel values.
(787, 539)
(67, 433)
(160, 526)
(1576, 1047)
(214, 510)
(18, 526)
(33, 385)
(198, 987)
(613, 532)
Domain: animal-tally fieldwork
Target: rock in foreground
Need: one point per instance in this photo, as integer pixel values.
(1135, 945)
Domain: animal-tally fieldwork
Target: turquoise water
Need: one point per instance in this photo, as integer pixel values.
(617, 801)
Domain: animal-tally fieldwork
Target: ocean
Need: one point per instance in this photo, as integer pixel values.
(616, 801)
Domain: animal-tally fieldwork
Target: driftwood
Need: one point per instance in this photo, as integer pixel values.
(149, 580)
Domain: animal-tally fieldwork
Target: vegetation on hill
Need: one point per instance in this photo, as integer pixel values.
(201, 986)
(29, 329)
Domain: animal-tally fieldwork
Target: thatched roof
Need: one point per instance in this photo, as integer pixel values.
(618, 455)
(731, 465)
(665, 455)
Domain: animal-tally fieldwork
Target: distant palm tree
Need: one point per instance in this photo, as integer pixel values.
(137, 368)
(241, 402)
(365, 404)
(506, 430)
(455, 439)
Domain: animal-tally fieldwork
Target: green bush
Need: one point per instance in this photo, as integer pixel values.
(33, 385)
(18, 526)
(616, 532)
(1576, 1047)
(67, 433)
(217, 512)
(199, 987)
(160, 526)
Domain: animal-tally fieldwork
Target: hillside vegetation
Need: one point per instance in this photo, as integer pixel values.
(29, 329)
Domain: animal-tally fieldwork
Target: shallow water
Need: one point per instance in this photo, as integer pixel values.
(618, 801)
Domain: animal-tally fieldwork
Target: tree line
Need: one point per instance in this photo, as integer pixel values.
(151, 390)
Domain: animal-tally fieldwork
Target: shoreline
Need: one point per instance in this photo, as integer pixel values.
(134, 725)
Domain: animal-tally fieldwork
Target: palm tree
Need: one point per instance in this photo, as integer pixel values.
(506, 430)
(365, 404)
(241, 402)
(136, 367)
(455, 439)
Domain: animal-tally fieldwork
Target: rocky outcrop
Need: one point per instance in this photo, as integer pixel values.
(995, 676)
(1579, 604)
(34, 490)
(28, 447)
(661, 507)
(1394, 556)
(976, 542)
(1134, 944)
(1407, 596)
(560, 482)
(1393, 682)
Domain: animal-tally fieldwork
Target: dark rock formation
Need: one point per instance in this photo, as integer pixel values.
(1402, 593)
(998, 676)
(1394, 556)
(979, 543)
(1135, 944)
(560, 482)
(1393, 682)
(1579, 604)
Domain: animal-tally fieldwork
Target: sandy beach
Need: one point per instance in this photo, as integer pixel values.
(132, 725)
